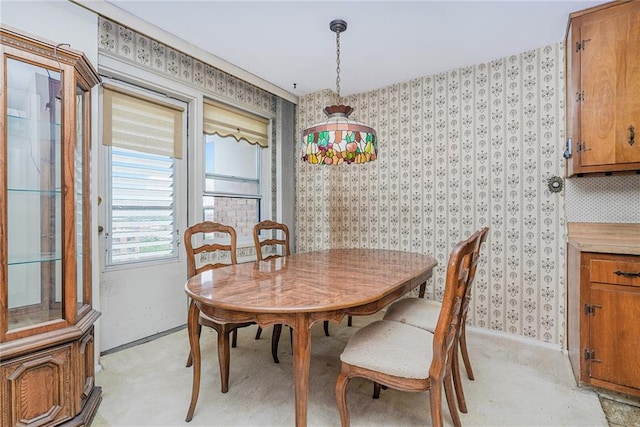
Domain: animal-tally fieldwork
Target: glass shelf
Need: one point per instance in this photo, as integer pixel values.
(55, 192)
(24, 126)
(36, 258)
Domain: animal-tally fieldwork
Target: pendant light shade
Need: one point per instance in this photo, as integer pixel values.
(338, 139)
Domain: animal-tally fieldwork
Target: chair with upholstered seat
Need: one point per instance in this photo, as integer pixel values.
(406, 358)
(205, 256)
(424, 314)
(279, 240)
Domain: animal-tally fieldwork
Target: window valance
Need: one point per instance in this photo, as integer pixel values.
(225, 120)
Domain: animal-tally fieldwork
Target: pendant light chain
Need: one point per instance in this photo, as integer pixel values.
(338, 62)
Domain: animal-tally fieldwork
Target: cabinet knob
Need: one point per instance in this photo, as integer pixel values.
(632, 135)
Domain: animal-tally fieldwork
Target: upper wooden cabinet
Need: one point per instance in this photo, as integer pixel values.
(46, 314)
(603, 89)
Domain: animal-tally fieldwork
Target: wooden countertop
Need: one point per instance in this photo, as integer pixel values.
(605, 237)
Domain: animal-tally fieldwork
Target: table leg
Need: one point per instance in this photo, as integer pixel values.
(194, 342)
(301, 366)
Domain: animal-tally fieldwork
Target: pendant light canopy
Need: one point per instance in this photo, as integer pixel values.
(338, 139)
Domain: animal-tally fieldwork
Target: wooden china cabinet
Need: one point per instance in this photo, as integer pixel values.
(603, 82)
(46, 316)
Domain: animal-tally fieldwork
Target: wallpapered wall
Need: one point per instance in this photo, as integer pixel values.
(459, 150)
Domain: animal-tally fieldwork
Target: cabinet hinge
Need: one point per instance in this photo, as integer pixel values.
(567, 149)
(590, 309)
(590, 354)
(582, 146)
(581, 45)
(579, 96)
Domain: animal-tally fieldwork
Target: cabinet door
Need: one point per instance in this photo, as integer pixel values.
(86, 376)
(36, 389)
(614, 334)
(610, 83)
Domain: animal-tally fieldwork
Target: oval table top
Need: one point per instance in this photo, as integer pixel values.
(331, 279)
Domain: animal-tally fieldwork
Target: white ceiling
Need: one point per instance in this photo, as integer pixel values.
(386, 42)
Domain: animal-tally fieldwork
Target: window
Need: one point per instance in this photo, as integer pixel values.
(145, 140)
(232, 193)
(237, 186)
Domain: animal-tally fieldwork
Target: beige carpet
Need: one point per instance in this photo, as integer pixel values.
(518, 383)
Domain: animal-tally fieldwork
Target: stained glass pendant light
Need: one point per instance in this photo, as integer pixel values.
(337, 139)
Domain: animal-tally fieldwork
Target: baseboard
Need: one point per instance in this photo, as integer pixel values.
(143, 340)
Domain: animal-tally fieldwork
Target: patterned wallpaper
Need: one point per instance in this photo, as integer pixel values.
(459, 150)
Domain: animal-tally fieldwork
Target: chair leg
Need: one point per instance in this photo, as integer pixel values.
(457, 381)
(341, 398)
(190, 357)
(435, 401)
(465, 353)
(376, 390)
(275, 339)
(326, 328)
(234, 340)
(451, 402)
(224, 356)
(423, 288)
(349, 320)
(291, 338)
(258, 333)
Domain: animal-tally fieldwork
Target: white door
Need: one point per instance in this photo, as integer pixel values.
(143, 214)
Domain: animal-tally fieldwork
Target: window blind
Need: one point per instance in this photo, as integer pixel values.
(140, 124)
(143, 212)
(225, 120)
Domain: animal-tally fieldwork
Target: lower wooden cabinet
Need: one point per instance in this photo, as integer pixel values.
(51, 386)
(604, 319)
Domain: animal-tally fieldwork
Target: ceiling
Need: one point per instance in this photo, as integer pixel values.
(289, 44)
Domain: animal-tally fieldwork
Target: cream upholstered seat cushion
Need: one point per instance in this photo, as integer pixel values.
(416, 312)
(392, 348)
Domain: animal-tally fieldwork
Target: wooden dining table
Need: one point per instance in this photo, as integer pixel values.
(300, 290)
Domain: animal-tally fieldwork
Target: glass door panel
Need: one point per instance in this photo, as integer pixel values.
(34, 197)
(80, 179)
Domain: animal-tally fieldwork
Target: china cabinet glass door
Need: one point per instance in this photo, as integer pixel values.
(34, 196)
(81, 198)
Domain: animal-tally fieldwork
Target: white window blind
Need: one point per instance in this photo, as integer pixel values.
(224, 120)
(140, 124)
(142, 207)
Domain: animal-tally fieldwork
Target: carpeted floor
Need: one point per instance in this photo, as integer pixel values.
(518, 383)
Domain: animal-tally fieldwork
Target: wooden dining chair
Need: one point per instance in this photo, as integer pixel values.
(199, 259)
(407, 358)
(424, 314)
(279, 240)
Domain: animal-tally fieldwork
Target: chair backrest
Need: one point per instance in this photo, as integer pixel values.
(198, 231)
(472, 273)
(279, 237)
(455, 290)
